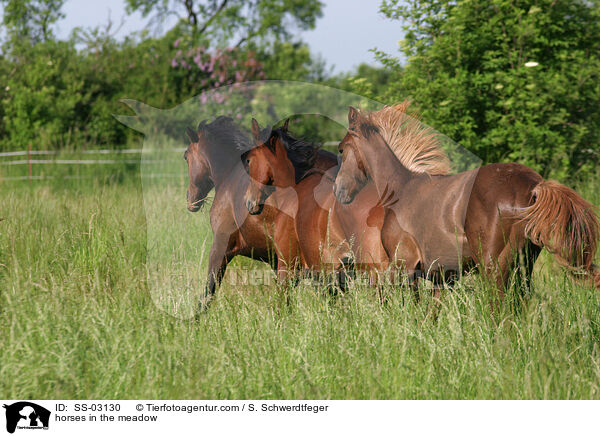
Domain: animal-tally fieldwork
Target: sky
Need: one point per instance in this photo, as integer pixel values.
(343, 36)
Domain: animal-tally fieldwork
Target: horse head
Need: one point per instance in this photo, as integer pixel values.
(352, 175)
(268, 166)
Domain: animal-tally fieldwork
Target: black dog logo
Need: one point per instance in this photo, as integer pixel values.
(26, 415)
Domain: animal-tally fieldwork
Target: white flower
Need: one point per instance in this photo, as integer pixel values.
(7, 88)
(499, 86)
(49, 63)
(531, 64)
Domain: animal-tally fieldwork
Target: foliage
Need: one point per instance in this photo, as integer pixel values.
(58, 94)
(510, 80)
(234, 22)
(204, 69)
(44, 95)
(371, 82)
(291, 61)
(31, 20)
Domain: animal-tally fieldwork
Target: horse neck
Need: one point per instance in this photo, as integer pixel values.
(284, 177)
(325, 160)
(384, 168)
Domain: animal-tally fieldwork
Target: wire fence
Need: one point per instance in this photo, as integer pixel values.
(54, 157)
(31, 162)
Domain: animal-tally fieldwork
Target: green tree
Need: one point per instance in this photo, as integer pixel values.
(31, 20)
(290, 61)
(372, 82)
(57, 94)
(43, 97)
(512, 80)
(234, 22)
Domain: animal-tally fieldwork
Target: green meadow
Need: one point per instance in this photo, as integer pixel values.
(80, 316)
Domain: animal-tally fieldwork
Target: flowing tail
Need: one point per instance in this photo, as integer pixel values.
(563, 222)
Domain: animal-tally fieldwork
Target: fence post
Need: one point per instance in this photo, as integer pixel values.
(29, 160)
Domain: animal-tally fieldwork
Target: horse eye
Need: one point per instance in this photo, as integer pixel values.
(248, 161)
(185, 155)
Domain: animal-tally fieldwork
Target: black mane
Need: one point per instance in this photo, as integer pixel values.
(225, 132)
(300, 152)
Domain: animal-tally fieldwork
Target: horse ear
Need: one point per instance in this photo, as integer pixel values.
(353, 115)
(286, 125)
(191, 133)
(272, 144)
(255, 129)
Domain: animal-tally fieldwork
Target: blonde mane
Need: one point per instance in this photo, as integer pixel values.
(414, 144)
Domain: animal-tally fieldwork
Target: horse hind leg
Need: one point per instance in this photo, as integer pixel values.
(344, 273)
(517, 254)
(525, 262)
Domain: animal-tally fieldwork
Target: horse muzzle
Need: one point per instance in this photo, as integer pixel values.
(342, 194)
(255, 207)
(194, 205)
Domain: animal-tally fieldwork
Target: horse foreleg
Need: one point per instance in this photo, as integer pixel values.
(287, 249)
(401, 247)
(221, 252)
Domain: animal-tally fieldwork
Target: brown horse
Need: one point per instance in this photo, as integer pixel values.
(315, 231)
(491, 216)
(213, 160)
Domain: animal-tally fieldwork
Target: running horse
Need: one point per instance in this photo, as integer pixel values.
(213, 161)
(493, 217)
(311, 235)
(326, 232)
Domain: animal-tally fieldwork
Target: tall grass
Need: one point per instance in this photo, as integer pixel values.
(78, 320)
